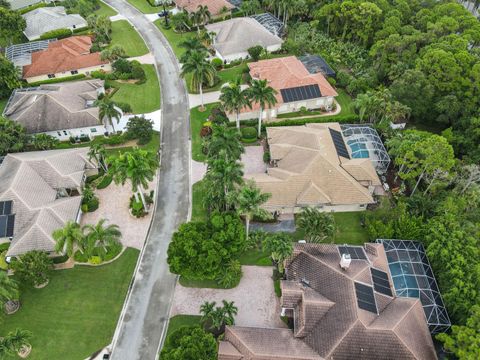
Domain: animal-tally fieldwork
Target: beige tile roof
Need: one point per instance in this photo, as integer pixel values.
(214, 6)
(31, 181)
(328, 319)
(237, 35)
(310, 172)
(56, 106)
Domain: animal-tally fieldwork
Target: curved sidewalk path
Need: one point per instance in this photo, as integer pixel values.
(144, 319)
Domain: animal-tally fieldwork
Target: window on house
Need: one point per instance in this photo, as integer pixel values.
(74, 26)
(51, 76)
(59, 133)
(74, 72)
(102, 66)
(93, 130)
(64, 132)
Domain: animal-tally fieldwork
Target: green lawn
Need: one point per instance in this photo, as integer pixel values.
(346, 102)
(76, 314)
(255, 257)
(199, 213)
(173, 38)
(104, 9)
(143, 98)
(125, 35)
(178, 321)
(224, 76)
(197, 118)
(153, 145)
(145, 7)
(3, 103)
(211, 284)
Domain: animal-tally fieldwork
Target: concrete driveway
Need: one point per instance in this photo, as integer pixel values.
(252, 160)
(255, 298)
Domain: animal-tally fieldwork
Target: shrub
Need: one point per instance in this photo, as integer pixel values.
(230, 276)
(248, 141)
(139, 128)
(93, 204)
(217, 63)
(116, 139)
(106, 180)
(99, 74)
(95, 260)
(125, 107)
(248, 132)
(332, 81)
(266, 156)
(60, 259)
(92, 178)
(137, 208)
(58, 33)
(33, 267)
(57, 80)
(255, 52)
(205, 131)
(84, 208)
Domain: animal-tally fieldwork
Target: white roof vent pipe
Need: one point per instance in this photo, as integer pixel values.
(345, 261)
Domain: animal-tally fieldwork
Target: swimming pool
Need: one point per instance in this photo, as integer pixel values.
(359, 150)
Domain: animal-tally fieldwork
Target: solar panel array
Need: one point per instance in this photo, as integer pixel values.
(300, 93)
(413, 277)
(6, 207)
(380, 282)
(356, 252)
(365, 297)
(339, 143)
(7, 223)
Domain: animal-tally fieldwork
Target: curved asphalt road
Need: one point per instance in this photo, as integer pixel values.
(141, 330)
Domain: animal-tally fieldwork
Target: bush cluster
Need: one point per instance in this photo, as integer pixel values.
(58, 34)
(128, 70)
(105, 181)
(248, 133)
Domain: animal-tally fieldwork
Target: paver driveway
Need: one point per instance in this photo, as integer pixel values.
(255, 298)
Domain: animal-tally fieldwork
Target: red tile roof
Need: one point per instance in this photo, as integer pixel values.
(214, 6)
(72, 53)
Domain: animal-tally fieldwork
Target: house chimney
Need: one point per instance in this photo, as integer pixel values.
(345, 261)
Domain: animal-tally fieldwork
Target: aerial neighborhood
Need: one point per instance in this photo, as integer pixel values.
(239, 180)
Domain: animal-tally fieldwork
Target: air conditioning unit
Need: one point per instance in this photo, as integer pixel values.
(345, 261)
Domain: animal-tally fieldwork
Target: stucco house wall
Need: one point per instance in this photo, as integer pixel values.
(86, 71)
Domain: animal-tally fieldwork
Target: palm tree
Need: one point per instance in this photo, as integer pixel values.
(108, 111)
(206, 310)
(202, 16)
(279, 245)
(248, 201)
(18, 341)
(190, 45)
(230, 311)
(98, 153)
(138, 166)
(68, 237)
(263, 95)
(9, 292)
(43, 142)
(101, 235)
(234, 99)
(317, 225)
(202, 72)
(225, 139)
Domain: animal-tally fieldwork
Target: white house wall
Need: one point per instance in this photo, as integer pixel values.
(85, 71)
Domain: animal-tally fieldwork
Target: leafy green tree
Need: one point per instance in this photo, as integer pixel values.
(69, 237)
(464, 341)
(248, 201)
(98, 153)
(264, 95)
(189, 343)
(201, 70)
(280, 246)
(113, 53)
(44, 142)
(318, 225)
(230, 275)
(138, 166)
(9, 292)
(11, 24)
(234, 99)
(9, 77)
(181, 21)
(108, 111)
(225, 142)
(5, 4)
(101, 234)
(33, 267)
(13, 136)
(250, 7)
(255, 52)
(140, 128)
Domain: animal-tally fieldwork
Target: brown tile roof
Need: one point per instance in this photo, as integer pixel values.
(328, 319)
(214, 6)
(288, 72)
(68, 54)
(310, 172)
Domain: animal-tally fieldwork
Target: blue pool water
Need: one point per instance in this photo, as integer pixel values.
(359, 150)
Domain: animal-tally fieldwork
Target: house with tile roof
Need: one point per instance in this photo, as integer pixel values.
(311, 166)
(22, 4)
(43, 188)
(235, 36)
(61, 110)
(340, 310)
(296, 88)
(45, 19)
(217, 8)
(63, 58)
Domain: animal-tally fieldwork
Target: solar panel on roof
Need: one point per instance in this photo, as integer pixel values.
(339, 143)
(300, 93)
(5, 207)
(355, 252)
(365, 297)
(6, 225)
(380, 282)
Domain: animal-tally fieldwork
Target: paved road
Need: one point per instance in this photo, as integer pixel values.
(142, 328)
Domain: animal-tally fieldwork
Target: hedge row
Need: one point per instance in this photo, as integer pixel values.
(56, 34)
(57, 80)
(31, 7)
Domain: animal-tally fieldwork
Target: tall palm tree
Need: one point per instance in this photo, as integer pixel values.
(234, 99)
(202, 71)
(191, 44)
(230, 311)
(263, 95)
(225, 139)
(8, 291)
(202, 16)
(248, 201)
(206, 310)
(108, 111)
(317, 225)
(68, 237)
(279, 245)
(98, 153)
(138, 166)
(101, 235)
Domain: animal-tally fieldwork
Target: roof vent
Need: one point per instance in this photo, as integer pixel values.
(345, 261)
(305, 282)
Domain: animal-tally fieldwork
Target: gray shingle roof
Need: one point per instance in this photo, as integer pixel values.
(42, 20)
(20, 4)
(55, 107)
(32, 180)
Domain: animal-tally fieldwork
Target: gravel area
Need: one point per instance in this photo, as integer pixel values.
(255, 298)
